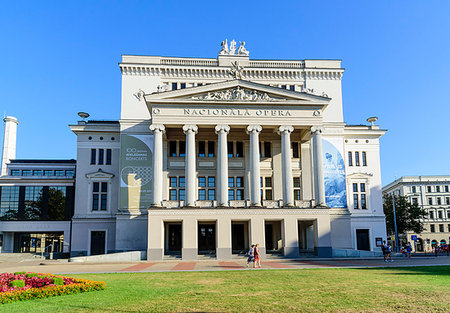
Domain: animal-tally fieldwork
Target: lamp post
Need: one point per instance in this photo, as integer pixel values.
(395, 223)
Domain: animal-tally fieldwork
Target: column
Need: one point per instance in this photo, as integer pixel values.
(158, 131)
(190, 166)
(255, 197)
(222, 165)
(318, 165)
(288, 183)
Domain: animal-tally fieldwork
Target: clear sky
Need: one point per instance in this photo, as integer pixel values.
(60, 57)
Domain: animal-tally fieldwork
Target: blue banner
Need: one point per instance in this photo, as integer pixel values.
(334, 174)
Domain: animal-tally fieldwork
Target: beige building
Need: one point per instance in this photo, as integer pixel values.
(432, 194)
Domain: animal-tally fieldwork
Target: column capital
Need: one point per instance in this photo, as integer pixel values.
(316, 129)
(158, 128)
(285, 129)
(187, 128)
(224, 128)
(254, 128)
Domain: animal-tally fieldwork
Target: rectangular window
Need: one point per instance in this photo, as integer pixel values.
(49, 172)
(173, 194)
(438, 188)
(283, 86)
(356, 158)
(70, 173)
(447, 200)
(267, 149)
(269, 194)
(428, 188)
(440, 213)
(350, 159)
(296, 194)
(363, 201)
(202, 194)
(173, 181)
(211, 194)
(211, 149)
(441, 228)
(15, 172)
(172, 148)
(415, 201)
(239, 149)
(99, 196)
(201, 149)
(355, 187)
(296, 182)
(182, 149)
(355, 201)
(295, 150)
(448, 228)
(268, 182)
(108, 156)
(182, 194)
(230, 194)
(364, 158)
(101, 156)
(431, 214)
(27, 173)
(60, 173)
(430, 201)
(174, 86)
(446, 188)
(438, 200)
(202, 181)
(239, 181)
(413, 189)
(230, 149)
(239, 194)
(211, 181)
(93, 155)
(182, 85)
(37, 172)
(362, 187)
(432, 229)
(292, 87)
(230, 182)
(182, 182)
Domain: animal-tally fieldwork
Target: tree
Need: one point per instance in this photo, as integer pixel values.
(409, 216)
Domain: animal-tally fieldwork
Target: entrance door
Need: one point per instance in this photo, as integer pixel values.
(269, 237)
(207, 238)
(362, 239)
(174, 237)
(237, 238)
(98, 242)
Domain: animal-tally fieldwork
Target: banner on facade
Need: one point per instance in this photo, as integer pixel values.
(334, 172)
(136, 171)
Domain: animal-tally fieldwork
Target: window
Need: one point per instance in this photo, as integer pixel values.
(172, 148)
(99, 196)
(27, 173)
(448, 228)
(174, 86)
(438, 188)
(359, 196)
(176, 188)
(448, 214)
(413, 189)
(93, 156)
(15, 172)
(438, 200)
(441, 228)
(431, 214)
(350, 159)
(211, 149)
(108, 156)
(182, 148)
(48, 173)
(428, 188)
(239, 149)
(283, 86)
(267, 149)
(235, 188)
(447, 200)
(446, 188)
(70, 173)
(60, 173)
(266, 188)
(101, 156)
(432, 229)
(297, 194)
(235, 149)
(356, 158)
(295, 150)
(201, 149)
(415, 201)
(292, 87)
(430, 201)
(182, 85)
(37, 172)
(440, 214)
(207, 188)
(230, 149)
(364, 158)
(9, 202)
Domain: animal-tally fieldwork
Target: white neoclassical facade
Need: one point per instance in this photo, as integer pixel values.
(212, 155)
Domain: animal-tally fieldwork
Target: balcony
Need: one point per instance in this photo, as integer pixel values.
(239, 204)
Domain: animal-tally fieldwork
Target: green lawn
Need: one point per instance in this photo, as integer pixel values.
(411, 289)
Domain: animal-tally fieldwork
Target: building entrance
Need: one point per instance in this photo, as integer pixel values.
(207, 238)
(306, 237)
(273, 238)
(38, 242)
(239, 237)
(362, 239)
(172, 238)
(98, 240)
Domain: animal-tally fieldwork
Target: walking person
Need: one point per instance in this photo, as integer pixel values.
(251, 256)
(257, 256)
(384, 249)
(408, 250)
(389, 251)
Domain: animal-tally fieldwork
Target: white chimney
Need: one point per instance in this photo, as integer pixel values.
(9, 142)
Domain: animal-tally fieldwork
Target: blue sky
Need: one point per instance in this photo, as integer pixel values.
(60, 57)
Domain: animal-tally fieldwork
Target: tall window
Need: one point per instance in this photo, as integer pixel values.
(235, 188)
(432, 229)
(295, 150)
(438, 200)
(172, 148)
(266, 188)
(182, 85)
(440, 214)
(9, 202)
(235, 149)
(99, 196)
(350, 159)
(211, 149)
(108, 156)
(297, 194)
(413, 189)
(201, 149)
(356, 158)
(101, 156)
(415, 201)
(359, 196)
(428, 188)
(438, 188)
(207, 188)
(174, 86)
(267, 149)
(364, 158)
(430, 201)
(441, 228)
(431, 214)
(447, 200)
(446, 188)
(182, 148)
(93, 156)
(176, 188)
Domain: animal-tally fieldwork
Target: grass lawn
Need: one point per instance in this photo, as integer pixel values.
(409, 289)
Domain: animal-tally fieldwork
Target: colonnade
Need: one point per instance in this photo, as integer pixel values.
(222, 132)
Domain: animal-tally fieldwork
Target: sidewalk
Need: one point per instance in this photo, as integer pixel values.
(64, 267)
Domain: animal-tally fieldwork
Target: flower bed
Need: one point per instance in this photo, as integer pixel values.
(24, 286)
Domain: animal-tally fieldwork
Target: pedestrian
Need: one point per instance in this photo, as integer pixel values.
(257, 256)
(384, 250)
(408, 250)
(389, 257)
(251, 256)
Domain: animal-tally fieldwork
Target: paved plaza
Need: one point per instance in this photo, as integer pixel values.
(64, 267)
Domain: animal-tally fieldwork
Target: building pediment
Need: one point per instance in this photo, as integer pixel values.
(99, 174)
(235, 92)
(360, 176)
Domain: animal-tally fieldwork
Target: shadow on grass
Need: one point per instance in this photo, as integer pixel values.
(412, 270)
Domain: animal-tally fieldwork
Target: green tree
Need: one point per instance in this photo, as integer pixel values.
(409, 216)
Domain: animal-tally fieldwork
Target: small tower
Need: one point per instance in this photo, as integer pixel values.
(9, 142)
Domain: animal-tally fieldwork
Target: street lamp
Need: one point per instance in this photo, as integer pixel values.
(395, 223)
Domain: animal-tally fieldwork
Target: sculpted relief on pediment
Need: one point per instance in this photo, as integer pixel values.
(236, 94)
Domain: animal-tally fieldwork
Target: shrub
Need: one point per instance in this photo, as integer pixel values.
(29, 275)
(19, 283)
(59, 281)
(19, 273)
